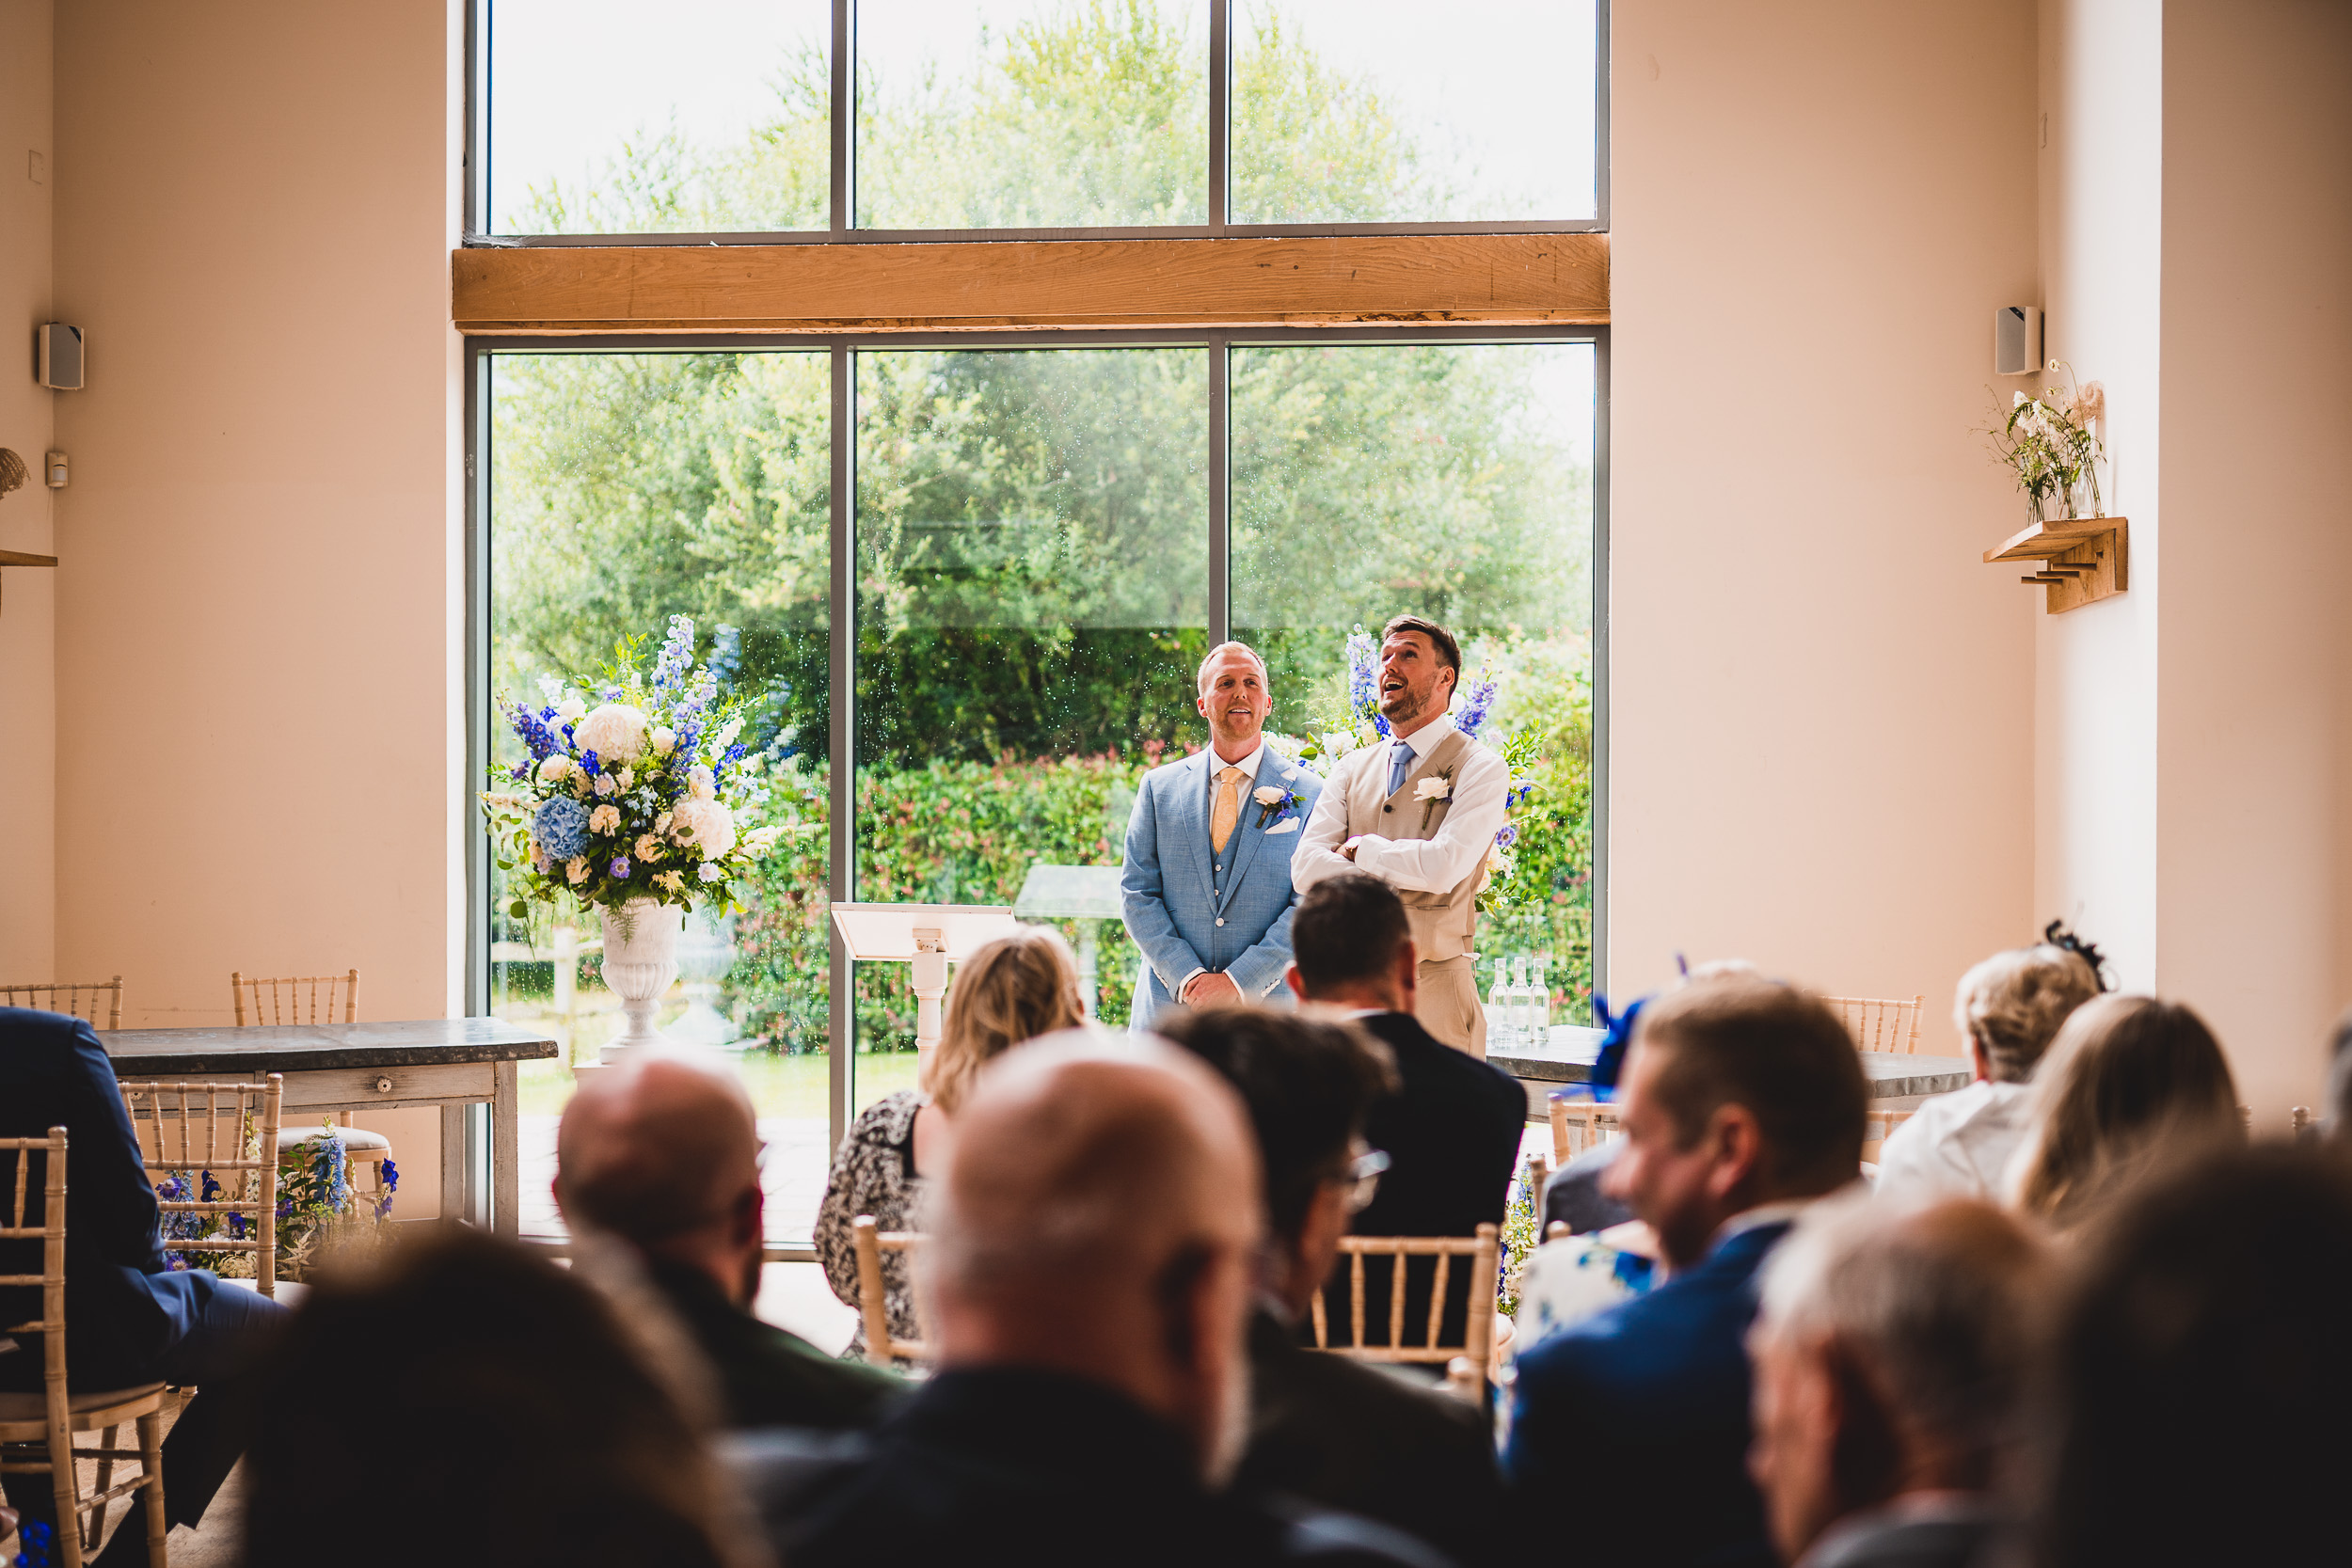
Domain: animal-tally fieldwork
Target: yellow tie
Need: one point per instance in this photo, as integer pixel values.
(1227, 809)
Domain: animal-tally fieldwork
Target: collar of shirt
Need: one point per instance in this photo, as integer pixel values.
(1422, 739)
(1763, 1214)
(1248, 765)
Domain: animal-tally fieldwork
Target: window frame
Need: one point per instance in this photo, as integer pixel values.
(841, 350)
(842, 227)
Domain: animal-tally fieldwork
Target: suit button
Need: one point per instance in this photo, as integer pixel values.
(1388, 808)
(1221, 920)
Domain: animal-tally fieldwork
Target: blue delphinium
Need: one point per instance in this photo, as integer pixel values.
(1475, 704)
(1363, 680)
(330, 1171)
(676, 655)
(391, 1185)
(532, 729)
(562, 827)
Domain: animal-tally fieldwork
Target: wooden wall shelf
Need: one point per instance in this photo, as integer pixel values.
(2081, 559)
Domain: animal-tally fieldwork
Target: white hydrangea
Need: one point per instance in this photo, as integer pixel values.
(706, 824)
(616, 731)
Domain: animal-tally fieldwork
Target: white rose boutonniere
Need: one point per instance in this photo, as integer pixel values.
(1433, 792)
(1278, 808)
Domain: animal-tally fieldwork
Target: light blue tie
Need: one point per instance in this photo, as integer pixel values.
(1400, 763)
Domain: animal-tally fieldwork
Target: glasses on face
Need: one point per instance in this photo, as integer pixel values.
(1363, 1179)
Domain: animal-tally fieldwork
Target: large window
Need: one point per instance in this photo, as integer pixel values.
(815, 118)
(1044, 537)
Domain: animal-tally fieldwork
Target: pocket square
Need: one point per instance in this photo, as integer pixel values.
(1289, 827)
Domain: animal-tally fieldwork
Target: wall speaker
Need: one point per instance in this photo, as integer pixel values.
(62, 358)
(2017, 340)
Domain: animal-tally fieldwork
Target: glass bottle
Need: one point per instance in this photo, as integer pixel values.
(1539, 1004)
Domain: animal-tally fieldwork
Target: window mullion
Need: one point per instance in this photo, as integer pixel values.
(841, 811)
(843, 178)
(1220, 490)
(1220, 118)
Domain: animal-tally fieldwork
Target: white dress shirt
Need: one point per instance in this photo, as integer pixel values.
(1217, 765)
(1958, 1145)
(1481, 780)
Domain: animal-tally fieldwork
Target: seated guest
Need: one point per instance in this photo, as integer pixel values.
(1091, 1269)
(471, 1403)
(1891, 1355)
(2130, 1081)
(1577, 1194)
(1452, 1128)
(1012, 990)
(1322, 1427)
(131, 1318)
(2007, 1009)
(1742, 1100)
(2195, 1391)
(662, 1155)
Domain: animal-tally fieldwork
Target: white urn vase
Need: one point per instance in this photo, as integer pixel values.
(640, 961)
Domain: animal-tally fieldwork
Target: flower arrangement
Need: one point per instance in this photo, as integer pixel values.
(314, 1196)
(637, 798)
(2047, 441)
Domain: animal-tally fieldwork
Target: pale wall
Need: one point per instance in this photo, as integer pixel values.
(2255, 699)
(2102, 170)
(28, 732)
(254, 216)
(1820, 699)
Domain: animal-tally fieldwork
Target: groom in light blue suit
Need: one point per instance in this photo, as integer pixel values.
(1207, 882)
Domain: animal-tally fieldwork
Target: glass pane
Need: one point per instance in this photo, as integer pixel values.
(1388, 111)
(626, 489)
(708, 115)
(1032, 602)
(1456, 482)
(1031, 113)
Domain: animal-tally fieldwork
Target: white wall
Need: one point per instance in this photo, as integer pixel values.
(1820, 706)
(255, 647)
(28, 728)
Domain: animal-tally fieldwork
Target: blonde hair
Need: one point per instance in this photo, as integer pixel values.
(1012, 990)
(1200, 676)
(2130, 1080)
(2012, 1004)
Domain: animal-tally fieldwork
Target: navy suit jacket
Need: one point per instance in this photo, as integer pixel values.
(1642, 1411)
(1189, 907)
(124, 1305)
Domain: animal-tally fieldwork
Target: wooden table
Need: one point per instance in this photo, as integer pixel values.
(1897, 1081)
(452, 1063)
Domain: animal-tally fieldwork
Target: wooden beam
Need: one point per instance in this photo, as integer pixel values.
(1469, 279)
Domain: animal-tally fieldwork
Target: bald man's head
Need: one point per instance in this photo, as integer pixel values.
(1099, 1215)
(663, 1153)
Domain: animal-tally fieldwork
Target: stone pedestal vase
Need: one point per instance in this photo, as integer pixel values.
(640, 961)
(705, 954)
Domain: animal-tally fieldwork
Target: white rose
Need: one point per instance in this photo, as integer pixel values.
(706, 825)
(569, 709)
(555, 769)
(664, 739)
(698, 783)
(604, 819)
(1434, 790)
(648, 847)
(616, 731)
(1267, 795)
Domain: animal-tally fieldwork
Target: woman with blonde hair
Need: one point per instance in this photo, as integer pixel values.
(2130, 1081)
(2007, 1009)
(1014, 988)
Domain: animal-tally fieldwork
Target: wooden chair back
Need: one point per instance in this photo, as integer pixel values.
(1478, 1324)
(1881, 1024)
(230, 1132)
(1877, 1127)
(873, 1293)
(1579, 1126)
(81, 999)
(43, 1425)
(294, 998)
(2305, 1129)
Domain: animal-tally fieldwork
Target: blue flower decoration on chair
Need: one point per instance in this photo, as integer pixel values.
(1611, 1062)
(562, 828)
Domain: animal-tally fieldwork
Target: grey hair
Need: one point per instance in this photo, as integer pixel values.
(2012, 1004)
(1937, 1299)
(1209, 657)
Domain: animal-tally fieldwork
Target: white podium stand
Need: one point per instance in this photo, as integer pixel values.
(926, 936)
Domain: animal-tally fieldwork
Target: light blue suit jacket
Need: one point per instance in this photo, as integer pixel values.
(1185, 913)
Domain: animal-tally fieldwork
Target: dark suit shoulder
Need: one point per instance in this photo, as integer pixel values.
(1422, 1057)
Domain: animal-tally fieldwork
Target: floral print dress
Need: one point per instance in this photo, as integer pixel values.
(873, 1174)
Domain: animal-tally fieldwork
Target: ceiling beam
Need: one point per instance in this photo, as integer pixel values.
(1333, 280)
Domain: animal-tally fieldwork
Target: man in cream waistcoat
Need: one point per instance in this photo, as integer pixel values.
(1420, 812)
(1206, 886)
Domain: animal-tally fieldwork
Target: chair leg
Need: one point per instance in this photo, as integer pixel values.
(62, 1485)
(96, 1531)
(151, 1462)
